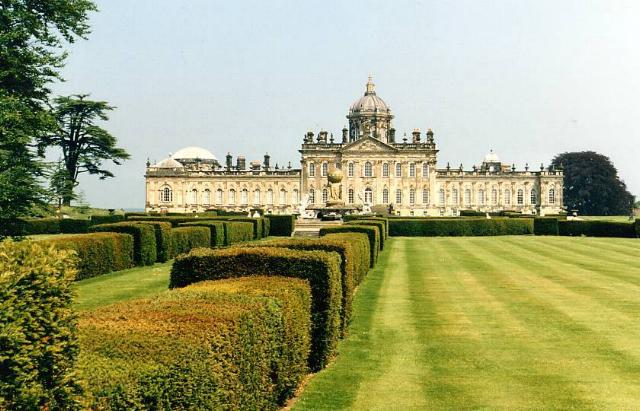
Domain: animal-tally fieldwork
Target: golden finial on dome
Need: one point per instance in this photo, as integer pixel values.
(371, 88)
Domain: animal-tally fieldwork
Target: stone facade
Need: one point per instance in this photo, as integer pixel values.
(401, 176)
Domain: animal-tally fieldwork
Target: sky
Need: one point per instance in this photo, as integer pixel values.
(527, 79)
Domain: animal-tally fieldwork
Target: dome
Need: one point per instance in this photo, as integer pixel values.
(168, 163)
(491, 157)
(193, 153)
(369, 102)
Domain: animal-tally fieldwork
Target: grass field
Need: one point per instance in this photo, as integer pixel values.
(491, 323)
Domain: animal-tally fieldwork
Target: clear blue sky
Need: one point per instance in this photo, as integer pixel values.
(528, 79)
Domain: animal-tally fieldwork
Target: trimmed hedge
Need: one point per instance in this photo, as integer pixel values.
(237, 231)
(545, 226)
(322, 269)
(353, 217)
(187, 238)
(107, 219)
(460, 227)
(174, 220)
(382, 228)
(144, 239)
(216, 228)
(373, 233)
(236, 344)
(282, 225)
(597, 228)
(637, 224)
(354, 254)
(38, 339)
(33, 226)
(98, 253)
(164, 239)
(74, 226)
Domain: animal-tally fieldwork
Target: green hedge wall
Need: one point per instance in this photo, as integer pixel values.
(237, 231)
(460, 227)
(373, 233)
(38, 338)
(164, 239)
(187, 238)
(353, 217)
(74, 226)
(322, 269)
(98, 253)
(282, 225)
(33, 226)
(382, 228)
(216, 228)
(637, 224)
(545, 226)
(354, 255)
(174, 220)
(106, 219)
(224, 345)
(597, 228)
(144, 239)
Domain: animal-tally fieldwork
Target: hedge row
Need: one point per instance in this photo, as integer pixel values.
(164, 239)
(353, 217)
(187, 238)
(382, 228)
(373, 233)
(545, 226)
(321, 269)
(282, 225)
(174, 220)
(216, 229)
(98, 253)
(460, 227)
(38, 340)
(106, 219)
(228, 345)
(597, 228)
(144, 239)
(353, 249)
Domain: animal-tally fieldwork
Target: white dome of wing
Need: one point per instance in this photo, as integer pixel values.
(193, 153)
(168, 163)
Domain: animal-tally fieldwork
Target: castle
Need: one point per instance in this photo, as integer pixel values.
(378, 171)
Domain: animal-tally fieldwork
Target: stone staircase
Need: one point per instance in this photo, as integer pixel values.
(311, 227)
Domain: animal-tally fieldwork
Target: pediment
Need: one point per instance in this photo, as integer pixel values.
(368, 145)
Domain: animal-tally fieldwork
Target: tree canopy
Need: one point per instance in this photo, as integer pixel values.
(592, 185)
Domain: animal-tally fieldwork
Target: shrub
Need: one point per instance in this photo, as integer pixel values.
(266, 227)
(545, 226)
(144, 239)
(237, 231)
(174, 220)
(282, 225)
(373, 233)
(238, 344)
(38, 338)
(597, 228)
(187, 238)
(354, 253)
(322, 269)
(98, 253)
(74, 226)
(258, 224)
(164, 239)
(353, 217)
(106, 219)
(460, 227)
(637, 224)
(382, 228)
(216, 228)
(32, 226)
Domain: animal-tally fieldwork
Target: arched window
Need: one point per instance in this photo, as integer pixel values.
(193, 198)
(219, 196)
(166, 196)
(441, 196)
(325, 195)
(454, 196)
(368, 169)
(425, 170)
(398, 170)
(481, 197)
(350, 170)
(385, 170)
(412, 169)
(412, 196)
(425, 196)
(534, 196)
(350, 196)
(385, 196)
(206, 197)
(244, 197)
(312, 196)
(256, 196)
(269, 199)
(325, 169)
(552, 195)
(232, 196)
(312, 170)
(467, 197)
(295, 198)
(494, 196)
(398, 196)
(520, 196)
(368, 196)
(507, 197)
(283, 196)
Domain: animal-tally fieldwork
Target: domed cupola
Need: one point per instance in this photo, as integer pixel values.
(370, 116)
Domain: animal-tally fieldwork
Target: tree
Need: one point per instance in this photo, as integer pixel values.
(85, 145)
(32, 33)
(592, 185)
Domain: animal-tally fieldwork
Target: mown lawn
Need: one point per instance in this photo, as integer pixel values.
(491, 323)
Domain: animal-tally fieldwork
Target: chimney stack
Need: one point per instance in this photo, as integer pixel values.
(416, 135)
(241, 163)
(229, 161)
(266, 164)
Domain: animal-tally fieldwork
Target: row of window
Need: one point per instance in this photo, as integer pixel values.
(367, 170)
(166, 196)
(454, 199)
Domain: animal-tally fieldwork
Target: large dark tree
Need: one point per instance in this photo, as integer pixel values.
(84, 144)
(592, 185)
(32, 34)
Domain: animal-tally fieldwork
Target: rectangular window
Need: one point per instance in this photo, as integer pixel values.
(312, 170)
(412, 170)
(398, 196)
(425, 196)
(412, 196)
(385, 196)
(398, 170)
(441, 196)
(325, 169)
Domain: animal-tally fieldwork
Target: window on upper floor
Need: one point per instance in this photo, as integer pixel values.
(350, 170)
(368, 169)
(312, 170)
(385, 170)
(425, 170)
(398, 170)
(325, 169)
(552, 195)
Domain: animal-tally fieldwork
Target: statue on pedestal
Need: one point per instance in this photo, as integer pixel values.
(334, 179)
